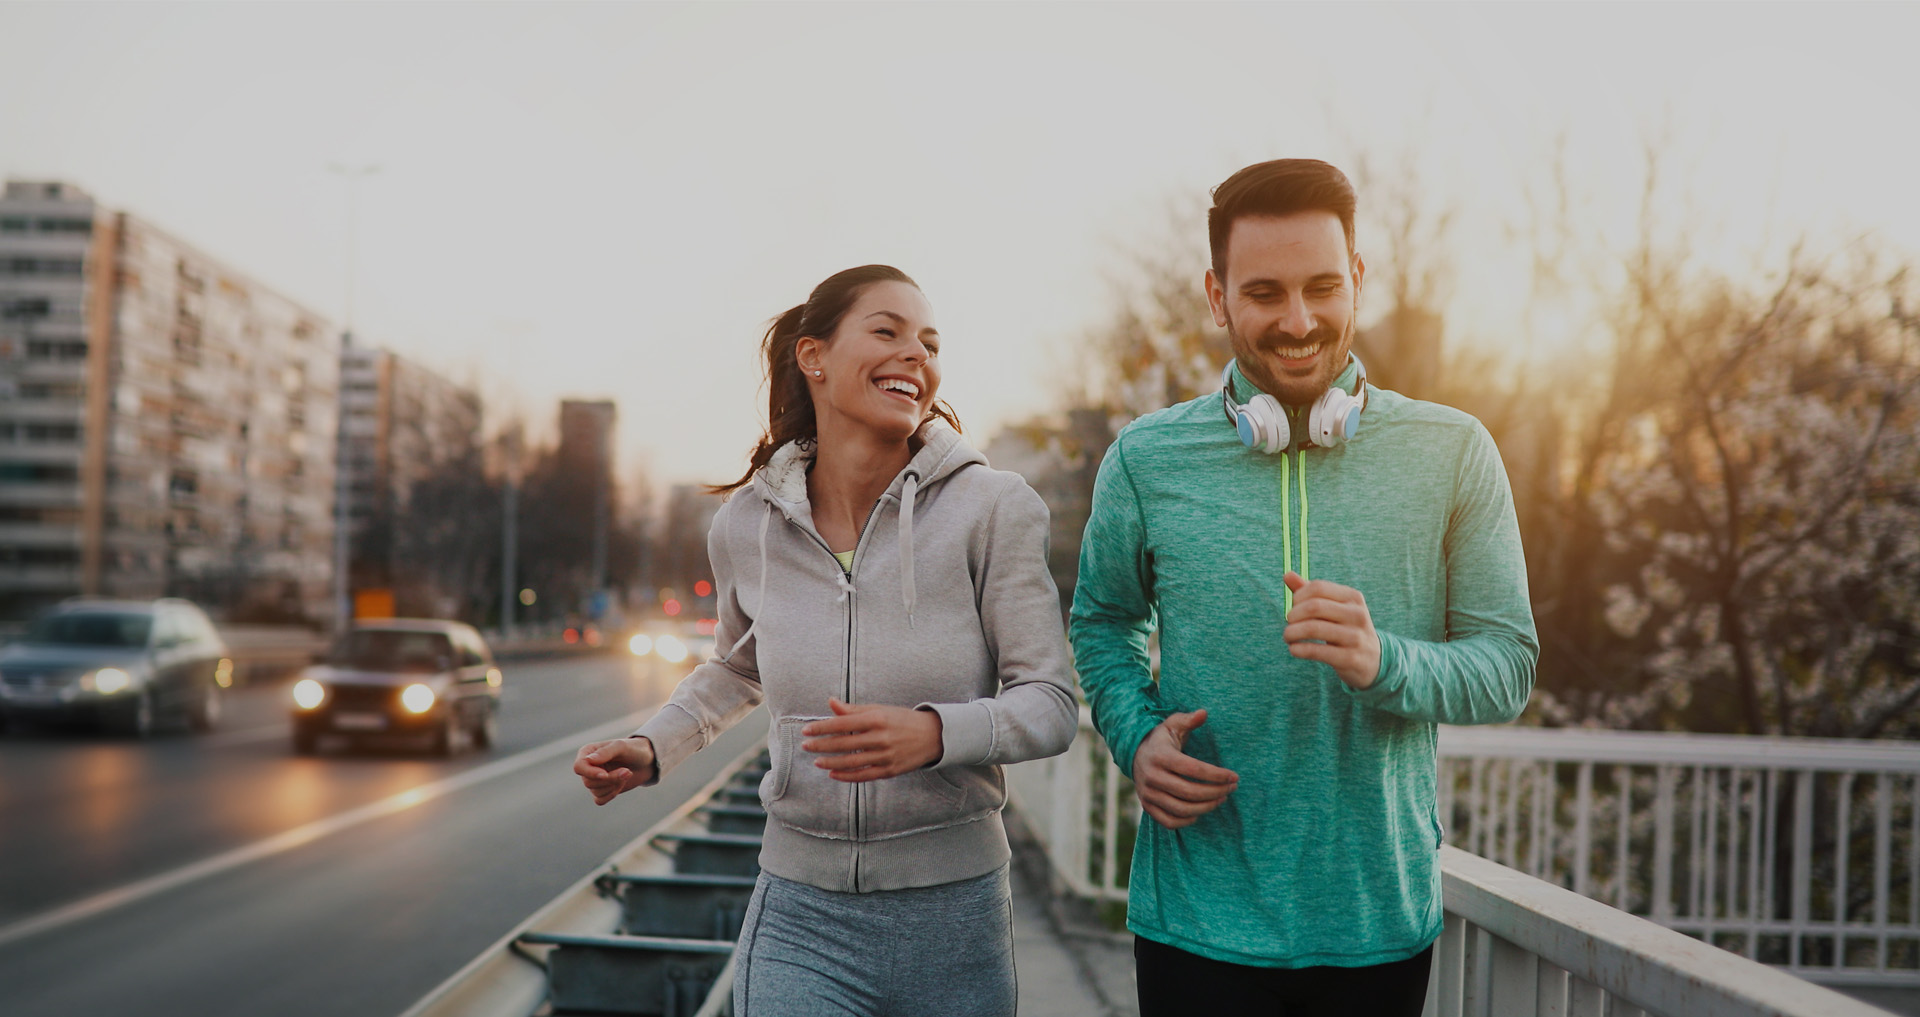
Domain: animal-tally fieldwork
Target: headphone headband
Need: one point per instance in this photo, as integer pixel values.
(1332, 419)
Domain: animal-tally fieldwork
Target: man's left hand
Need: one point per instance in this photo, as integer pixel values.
(1330, 623)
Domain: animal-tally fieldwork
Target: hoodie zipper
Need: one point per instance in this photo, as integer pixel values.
(853, 819)
(853, 594)
(853, 599)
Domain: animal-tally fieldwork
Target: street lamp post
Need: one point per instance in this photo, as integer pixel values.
(343, 447)
(509, 530)
(509, 548)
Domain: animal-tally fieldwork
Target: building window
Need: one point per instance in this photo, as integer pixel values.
(39, 556)
(52, 390)
(52, 349)
(44, 266)
(35, 431)
(38, 472)
(12, 225)
(61, 516)
(66, 225)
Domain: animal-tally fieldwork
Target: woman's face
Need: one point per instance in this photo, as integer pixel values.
(881, 367)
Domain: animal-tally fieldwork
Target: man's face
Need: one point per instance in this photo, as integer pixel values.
(1288, 302)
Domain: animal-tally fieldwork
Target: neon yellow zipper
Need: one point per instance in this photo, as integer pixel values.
(1286, 521)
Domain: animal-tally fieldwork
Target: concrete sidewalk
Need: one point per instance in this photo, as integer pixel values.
(1068, 964)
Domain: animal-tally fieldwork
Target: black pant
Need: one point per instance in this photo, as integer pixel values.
(1175, 983)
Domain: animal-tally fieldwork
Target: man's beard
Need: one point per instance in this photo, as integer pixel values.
(1338, 346)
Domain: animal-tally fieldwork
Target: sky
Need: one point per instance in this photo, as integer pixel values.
(610, 201)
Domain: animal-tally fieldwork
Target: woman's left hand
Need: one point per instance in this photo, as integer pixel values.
(873, 742)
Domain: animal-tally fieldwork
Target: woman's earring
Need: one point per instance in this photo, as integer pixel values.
(816, 374)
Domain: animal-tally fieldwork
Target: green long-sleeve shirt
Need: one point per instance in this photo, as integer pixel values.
(1327, 853)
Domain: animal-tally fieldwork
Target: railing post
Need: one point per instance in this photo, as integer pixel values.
(1663, 845)
(1512, 983)
(1736, 782)
(1842, 850)
(1802, 865)
(1082, 778)
(1585, 999)
(1622, 868)
(1551, 998)
(1759, 833)
(1061, 822)
(1710, 862)
(1882, 862)
(1473, 972)
(1696, 831)
(1770, 858)
(1476, 821)
(1449, 971)
(1513, 814)
(1583, 831)
(1545, 792)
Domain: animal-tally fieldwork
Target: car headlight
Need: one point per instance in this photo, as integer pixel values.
(417, 698)
(106, 681)
(308, 693)
(641, 645)
(671, 650)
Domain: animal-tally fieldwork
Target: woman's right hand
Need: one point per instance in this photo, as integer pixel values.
(611, 767)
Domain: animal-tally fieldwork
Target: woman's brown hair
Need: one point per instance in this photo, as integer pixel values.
(789, 402)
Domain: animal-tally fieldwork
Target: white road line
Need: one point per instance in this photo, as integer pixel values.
(108, 900)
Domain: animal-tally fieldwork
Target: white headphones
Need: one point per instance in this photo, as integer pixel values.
(1332, 421)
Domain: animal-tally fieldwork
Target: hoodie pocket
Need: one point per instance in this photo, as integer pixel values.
(799, 795)
(925, 800)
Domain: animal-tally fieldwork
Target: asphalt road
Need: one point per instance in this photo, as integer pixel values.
(222, 875)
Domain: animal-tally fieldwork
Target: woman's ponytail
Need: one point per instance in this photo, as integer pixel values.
(789, 404)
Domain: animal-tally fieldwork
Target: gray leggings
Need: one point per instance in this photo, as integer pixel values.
(933, 951)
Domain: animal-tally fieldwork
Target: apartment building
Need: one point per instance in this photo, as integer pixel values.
(400, 423)
(167, 425)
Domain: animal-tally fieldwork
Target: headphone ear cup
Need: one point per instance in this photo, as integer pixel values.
(1270, 423)
(1334, 419)
(1243, 422)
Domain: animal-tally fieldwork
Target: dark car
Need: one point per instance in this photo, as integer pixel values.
(401, 678)
(126, 666)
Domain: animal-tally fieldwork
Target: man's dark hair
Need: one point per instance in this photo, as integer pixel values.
(1276, 188)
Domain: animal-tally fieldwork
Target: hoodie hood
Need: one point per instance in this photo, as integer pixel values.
(783, 481)
(782, 486)
(981, 645)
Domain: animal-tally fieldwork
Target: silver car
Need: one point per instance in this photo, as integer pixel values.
(126, 666)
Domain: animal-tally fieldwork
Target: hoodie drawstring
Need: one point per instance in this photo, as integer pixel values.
(1286, 526)
(907, 593)
(760, 603)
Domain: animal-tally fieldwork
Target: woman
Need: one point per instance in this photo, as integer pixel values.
(883, 886)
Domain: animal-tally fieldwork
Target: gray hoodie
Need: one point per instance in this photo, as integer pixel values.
(949, 607)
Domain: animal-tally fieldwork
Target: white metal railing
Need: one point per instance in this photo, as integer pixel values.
(1802, 853)
(1515, 945)
(1083, 810)
(1547, 802)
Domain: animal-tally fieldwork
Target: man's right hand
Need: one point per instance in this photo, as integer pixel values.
(1173, 787)
(611, 767)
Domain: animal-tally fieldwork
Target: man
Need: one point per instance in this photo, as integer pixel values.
(1323, 599)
